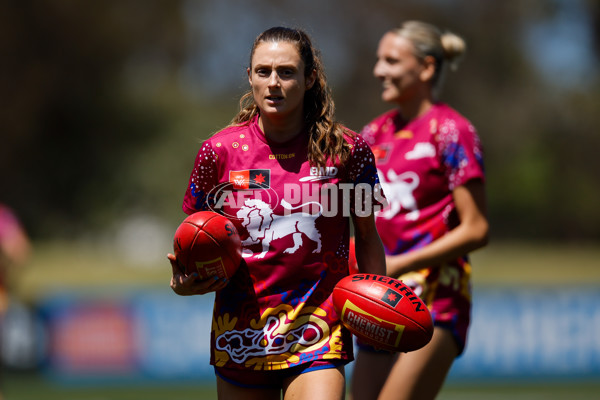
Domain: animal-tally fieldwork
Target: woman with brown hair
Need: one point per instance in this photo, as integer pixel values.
(284, 171)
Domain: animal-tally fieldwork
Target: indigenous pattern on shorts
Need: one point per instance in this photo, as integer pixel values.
(419, 164)
(277, 310)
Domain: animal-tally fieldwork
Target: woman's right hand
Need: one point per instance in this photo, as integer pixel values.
(188, 285)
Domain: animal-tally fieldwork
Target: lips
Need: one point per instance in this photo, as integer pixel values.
(274, 101)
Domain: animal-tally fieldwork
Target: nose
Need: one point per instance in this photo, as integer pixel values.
(378, 70)
(273, 79)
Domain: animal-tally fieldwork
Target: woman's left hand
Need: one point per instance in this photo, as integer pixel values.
(188, 285)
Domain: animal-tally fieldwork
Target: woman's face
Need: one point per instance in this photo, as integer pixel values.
(399, 70)
(277, 79)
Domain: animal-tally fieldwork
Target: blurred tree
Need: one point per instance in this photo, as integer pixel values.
(103, 103)
(68, 127)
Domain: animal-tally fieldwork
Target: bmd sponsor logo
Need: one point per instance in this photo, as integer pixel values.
(320, 173)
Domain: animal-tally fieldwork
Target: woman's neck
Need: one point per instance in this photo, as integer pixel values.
(414, 109)
(280, 130)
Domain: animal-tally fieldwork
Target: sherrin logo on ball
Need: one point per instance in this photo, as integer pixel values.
(383, 312)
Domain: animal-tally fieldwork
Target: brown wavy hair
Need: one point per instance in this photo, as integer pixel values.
(326, 136)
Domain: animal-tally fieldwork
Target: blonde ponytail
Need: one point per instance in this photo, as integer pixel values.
(446, 48)
(454, 49)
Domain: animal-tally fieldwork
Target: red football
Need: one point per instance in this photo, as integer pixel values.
(383, 312)
(209, 244)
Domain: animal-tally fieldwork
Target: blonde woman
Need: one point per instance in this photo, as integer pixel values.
(430, 164)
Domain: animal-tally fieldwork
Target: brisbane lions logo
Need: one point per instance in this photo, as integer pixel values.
(398, 190)
(264, 226)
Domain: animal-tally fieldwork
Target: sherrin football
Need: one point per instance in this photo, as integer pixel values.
(383, 312)
(208, 243)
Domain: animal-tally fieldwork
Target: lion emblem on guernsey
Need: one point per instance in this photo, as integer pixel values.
(399, 192)
(264, 226)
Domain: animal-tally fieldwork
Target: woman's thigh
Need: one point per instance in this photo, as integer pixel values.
(322, 384)
(420, 374)
(228, 391)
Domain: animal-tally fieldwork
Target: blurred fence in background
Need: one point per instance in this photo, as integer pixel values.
(518, 334)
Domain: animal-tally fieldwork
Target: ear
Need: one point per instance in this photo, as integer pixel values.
(428, 69)
(311, 79)
(249, 76)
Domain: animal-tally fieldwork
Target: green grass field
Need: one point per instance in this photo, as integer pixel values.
(33, 387)
(63, 266)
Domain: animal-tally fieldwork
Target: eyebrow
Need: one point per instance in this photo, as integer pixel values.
(285, 65)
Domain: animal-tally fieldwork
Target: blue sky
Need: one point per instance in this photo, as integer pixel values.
(562, 47)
